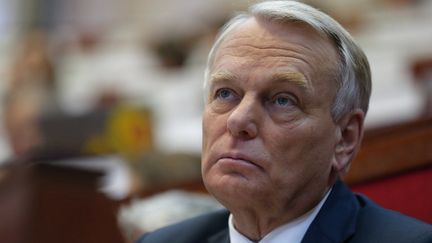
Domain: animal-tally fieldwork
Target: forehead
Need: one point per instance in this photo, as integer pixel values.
(259, 31)
(256, 43)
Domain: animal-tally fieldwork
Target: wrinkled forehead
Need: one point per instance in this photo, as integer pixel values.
(254, 36)
(280, 31)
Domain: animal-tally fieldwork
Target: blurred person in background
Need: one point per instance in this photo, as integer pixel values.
(287, 92)
(31, 92)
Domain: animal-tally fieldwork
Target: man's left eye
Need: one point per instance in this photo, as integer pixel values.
(284, 100)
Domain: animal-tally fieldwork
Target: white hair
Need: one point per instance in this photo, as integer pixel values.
(354, 77)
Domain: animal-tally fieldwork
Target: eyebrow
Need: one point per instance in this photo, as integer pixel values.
(292, 77)
(223, 76)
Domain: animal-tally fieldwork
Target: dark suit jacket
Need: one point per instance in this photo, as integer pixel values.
(344, 217)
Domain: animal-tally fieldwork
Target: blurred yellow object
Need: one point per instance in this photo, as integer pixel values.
(127, 131)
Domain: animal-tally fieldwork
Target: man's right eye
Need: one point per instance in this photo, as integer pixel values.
(224, 94)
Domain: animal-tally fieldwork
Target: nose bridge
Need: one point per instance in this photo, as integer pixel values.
(243, 120)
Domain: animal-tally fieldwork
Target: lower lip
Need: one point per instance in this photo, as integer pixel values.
(235, 163)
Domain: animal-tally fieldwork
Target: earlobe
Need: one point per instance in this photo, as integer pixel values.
(350, 134)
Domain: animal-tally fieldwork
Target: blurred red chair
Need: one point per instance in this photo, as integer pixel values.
(394, 168)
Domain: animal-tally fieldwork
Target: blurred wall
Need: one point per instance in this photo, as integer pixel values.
(153, 52)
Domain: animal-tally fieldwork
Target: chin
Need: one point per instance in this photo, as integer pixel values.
(234, 187)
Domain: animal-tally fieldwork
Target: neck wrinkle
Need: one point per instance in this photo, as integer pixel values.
(257, 230)
(252, 230)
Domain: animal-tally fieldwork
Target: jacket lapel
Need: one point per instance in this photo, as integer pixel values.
(220, 237)
(337, 218)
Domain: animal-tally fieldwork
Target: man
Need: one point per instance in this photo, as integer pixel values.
(287, 91)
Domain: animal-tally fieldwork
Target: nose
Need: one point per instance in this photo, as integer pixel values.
(243, 121)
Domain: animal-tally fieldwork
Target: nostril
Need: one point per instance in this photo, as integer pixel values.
(244, 134)
(244, 129)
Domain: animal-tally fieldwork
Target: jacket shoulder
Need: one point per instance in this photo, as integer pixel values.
(377, 224)
(191, 230)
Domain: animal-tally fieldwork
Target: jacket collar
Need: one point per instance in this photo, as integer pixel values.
(336, 220)
(220, 237)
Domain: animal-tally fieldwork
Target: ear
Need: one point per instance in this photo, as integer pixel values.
(350, 134)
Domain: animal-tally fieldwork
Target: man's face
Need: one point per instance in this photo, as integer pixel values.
(268, 133)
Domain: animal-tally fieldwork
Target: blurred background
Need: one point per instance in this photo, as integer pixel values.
(100, 104)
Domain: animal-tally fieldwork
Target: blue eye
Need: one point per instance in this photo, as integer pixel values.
(224, 94)
(284, 100)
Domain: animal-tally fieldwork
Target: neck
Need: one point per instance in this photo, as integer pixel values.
(255, 224)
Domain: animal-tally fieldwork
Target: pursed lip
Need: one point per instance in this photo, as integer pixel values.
(241, 158)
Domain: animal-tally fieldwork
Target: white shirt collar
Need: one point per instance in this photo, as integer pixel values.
(292, 232)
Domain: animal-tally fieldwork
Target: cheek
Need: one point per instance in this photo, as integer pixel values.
(205, 138)
(213, 127)
(301, 150)
(318, 151)
(208, 128)
(214, 124)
